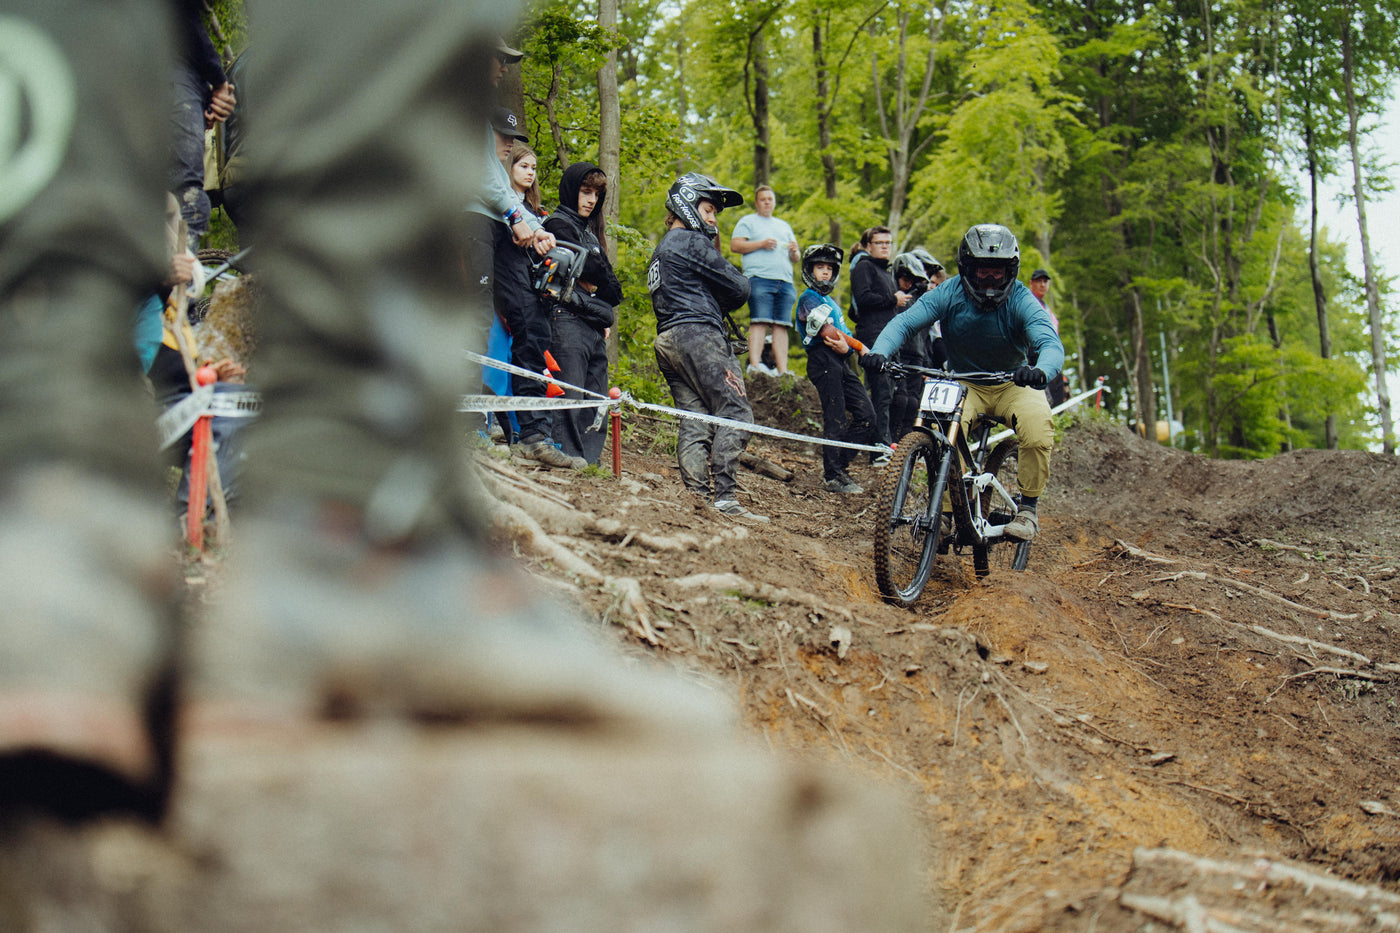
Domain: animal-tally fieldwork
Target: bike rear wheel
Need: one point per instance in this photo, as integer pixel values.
(907, 516)
(1001, 553)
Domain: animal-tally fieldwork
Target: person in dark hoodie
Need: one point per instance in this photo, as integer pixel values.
(875, 302)
(580, 325)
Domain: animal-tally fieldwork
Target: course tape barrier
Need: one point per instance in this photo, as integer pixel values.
(525, 403)
(176, 421)
(507, 403)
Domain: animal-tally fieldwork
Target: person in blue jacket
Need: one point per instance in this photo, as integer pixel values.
(847, 414)
(992, 323)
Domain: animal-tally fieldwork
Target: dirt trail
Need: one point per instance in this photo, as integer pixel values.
(1197, 661)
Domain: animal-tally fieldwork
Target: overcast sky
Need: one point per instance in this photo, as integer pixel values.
(1382, 216)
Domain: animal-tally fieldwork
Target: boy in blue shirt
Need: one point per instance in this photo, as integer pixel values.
(847, 414)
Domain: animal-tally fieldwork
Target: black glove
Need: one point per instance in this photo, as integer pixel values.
(1030, 376)
(874, 362)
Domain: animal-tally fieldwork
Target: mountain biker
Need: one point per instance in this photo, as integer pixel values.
(991, 322)
(692, 287)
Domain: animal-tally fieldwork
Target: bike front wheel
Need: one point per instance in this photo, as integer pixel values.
(1001, 553)
(907, 518)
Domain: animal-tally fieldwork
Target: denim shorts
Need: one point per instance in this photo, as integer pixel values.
(771, 301)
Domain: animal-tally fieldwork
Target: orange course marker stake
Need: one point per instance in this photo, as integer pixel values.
(201, 441)
(615, 417)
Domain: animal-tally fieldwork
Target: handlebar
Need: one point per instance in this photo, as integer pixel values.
(909, 369)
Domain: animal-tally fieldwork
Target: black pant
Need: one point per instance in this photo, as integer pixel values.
(528, 322)
(704, 376)
(582, 355)
(881, 389)
(847, 414)
(904, 407)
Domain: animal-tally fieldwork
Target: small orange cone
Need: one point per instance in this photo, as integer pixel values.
(552, 390)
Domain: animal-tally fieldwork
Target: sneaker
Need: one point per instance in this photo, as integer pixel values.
(945, 525)
(496, 433)
(1024, 526)
(880, 459)
(843, 484)
(547, 452)
(762, 369)
(732, 509)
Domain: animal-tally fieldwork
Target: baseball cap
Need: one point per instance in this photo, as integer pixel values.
(506, 123)
(1040, 274)
(507, 54)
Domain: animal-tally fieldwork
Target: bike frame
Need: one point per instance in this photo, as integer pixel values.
(949, 431)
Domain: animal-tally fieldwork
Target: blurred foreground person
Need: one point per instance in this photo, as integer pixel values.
(376, 703)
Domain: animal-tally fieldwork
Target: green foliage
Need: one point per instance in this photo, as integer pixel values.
(1143, 153)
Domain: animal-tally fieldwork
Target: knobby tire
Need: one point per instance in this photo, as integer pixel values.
(907, 517)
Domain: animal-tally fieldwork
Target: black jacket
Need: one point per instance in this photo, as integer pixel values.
(196, 51)
(872, 295)
(596, 309)
(691, 283)
(568, 225)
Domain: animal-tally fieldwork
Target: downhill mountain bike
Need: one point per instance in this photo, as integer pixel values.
(936, 459)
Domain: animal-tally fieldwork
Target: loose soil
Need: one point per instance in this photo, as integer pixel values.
(1196, 660)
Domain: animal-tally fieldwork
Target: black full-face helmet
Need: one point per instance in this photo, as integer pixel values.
(931, 265)
(689, 190)
(822, 252)
(911, 266)
(989, 260)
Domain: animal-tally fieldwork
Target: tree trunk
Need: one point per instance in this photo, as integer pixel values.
(824, 105)
(610, 141)
(1142, 367)
(1324, 330)
(762, 155)
(562, 155)
(1284, 414)
(1373, 299)
(909, 107)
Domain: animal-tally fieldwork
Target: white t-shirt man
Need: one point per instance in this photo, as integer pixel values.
(775, 263)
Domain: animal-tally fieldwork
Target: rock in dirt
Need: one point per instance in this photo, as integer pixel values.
(840, 640)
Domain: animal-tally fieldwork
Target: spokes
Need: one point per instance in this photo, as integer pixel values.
(905, 536)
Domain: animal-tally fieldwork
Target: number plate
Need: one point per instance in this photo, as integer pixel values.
(941, 397)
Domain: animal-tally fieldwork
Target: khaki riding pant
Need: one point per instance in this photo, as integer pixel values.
(1028, 413)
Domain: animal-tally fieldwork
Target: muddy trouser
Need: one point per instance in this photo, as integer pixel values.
(187, 95)
(528, 321)
(1028, 413)
(704, 376)
(88, 627)
(355, 198)
(582, 356)
(846, 411)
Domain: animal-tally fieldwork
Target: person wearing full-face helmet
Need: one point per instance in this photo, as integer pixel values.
(847, 414)
(692, 287)
(991, 322)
